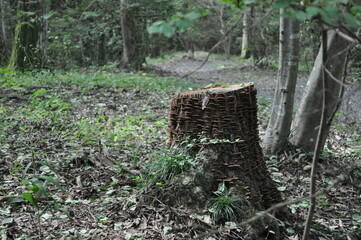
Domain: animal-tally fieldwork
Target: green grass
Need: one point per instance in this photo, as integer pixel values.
(88, 80)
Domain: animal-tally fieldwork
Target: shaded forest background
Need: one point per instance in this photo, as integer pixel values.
(75, 34)
(84, 126)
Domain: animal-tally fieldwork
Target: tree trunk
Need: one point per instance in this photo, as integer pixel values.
(278, 129)
(5, 37)
(43, 33)
(102, 49)
(25, 53)
(246, 35)
(155, 48)
(223, 123)
(224, 29)
(306, 123)
(132, 41)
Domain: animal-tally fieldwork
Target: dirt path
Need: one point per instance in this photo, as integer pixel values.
(265, 79)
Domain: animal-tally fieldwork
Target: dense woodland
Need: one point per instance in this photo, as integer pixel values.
(98, 142)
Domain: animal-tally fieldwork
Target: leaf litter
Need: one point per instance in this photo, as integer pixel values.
(95, 141)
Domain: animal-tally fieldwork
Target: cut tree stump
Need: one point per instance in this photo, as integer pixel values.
(222, 123)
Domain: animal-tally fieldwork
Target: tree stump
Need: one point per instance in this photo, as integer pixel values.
(222, 122)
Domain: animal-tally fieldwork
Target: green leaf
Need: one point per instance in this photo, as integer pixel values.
(227, 1)
(283, 3)
(350, 20)
(193, 16)
(33, 188)
(40, 92)
(87, 15)
(183, 24)
(311, 12)
(48, 2)
(155, 27)
(38, 187)
(207, 12)
(65, 210)
(15, 200)
(45, 209)
(53, 181)
(303, 205)
(44, 163)
(47, 16)
(325, 17)
(26, 170)
(114, 182)
(167, 29)
(29, 197)
(333, 12)
(281, 189)
(355, 9)
(166, 230)
(300, 15)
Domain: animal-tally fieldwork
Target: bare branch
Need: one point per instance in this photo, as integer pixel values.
(215, 46)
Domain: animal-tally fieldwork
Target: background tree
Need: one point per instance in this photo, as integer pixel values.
(246, 36)
(25, 52)
(306, 123)
(278, 129)
(6, 36)
(131, 32)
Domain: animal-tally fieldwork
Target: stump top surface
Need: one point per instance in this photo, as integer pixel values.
(217, 89)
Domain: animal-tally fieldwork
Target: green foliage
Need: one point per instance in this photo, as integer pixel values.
(60, 121)
(38, 192)
(180, 22)
(166, 163)
(82, 36)
(227, 206)
(355, 63)
(330, 12)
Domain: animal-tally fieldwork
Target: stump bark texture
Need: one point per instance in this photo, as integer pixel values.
(222, 121)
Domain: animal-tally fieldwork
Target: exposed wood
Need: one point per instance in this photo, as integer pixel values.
(223, 123)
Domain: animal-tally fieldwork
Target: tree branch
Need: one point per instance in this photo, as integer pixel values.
(318, 146)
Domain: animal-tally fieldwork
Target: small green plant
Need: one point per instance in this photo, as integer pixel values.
(167, 163)
(226, 206)
(212, 85)
(37, 192)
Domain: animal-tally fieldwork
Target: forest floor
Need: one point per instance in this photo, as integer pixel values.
(76, 149)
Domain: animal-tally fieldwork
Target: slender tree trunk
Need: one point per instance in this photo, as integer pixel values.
(307, 120)
(3, 24)
(278, 129)
(224, 28)
(102, 49)
(25, 52)
(132, 54)
(5, 37)
(43, 34)
(318, 145)
(246, 35)
(155, 49)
